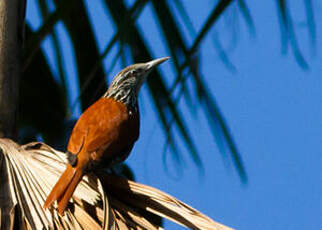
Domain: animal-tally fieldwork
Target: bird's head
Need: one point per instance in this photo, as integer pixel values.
(127, 83)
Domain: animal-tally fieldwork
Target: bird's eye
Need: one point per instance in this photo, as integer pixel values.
(136, 71)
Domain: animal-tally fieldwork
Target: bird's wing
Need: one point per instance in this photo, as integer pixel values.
(98, 126)
(107, 127)
(77, 138)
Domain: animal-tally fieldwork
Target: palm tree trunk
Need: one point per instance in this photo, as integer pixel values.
(12, 13)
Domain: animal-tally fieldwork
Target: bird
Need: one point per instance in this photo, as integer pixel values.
(105, 133)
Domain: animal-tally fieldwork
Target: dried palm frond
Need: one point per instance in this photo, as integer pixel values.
(29, 172)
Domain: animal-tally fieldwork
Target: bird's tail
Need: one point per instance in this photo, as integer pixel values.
(64, 188)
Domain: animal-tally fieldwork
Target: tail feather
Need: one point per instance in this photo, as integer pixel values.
(63, 200)
(61, 186)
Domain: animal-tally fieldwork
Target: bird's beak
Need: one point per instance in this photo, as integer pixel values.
(148, 67)
(154, 63)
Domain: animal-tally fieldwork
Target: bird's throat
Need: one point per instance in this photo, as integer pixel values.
(127, 96)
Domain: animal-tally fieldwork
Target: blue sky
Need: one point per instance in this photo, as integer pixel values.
(272, 106)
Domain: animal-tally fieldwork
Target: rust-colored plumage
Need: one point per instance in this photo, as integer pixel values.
(105, 133)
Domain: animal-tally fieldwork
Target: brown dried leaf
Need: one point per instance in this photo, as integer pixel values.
(29, 172)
